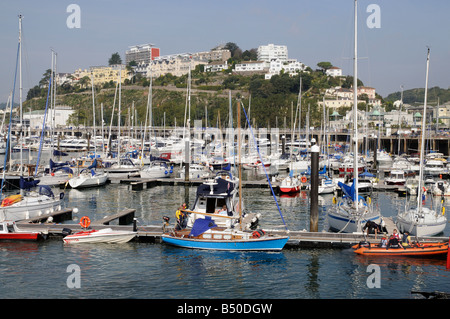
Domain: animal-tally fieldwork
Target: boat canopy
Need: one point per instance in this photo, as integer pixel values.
(201, 225)
(54, 165)
(221, 186)
(24, 184)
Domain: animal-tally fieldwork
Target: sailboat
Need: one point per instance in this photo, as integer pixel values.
(206, 234)
(33, 200)
(351, 212)
(422, 221)
(123, 167)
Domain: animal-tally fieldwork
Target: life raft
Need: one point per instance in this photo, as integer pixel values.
(416, 250)
(11, 200)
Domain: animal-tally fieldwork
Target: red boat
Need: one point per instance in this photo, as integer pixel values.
(10, 231)
(417, 250)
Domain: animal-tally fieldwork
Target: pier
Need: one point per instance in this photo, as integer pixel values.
(152, 233)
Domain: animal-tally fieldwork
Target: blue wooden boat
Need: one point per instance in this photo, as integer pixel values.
(206, 235)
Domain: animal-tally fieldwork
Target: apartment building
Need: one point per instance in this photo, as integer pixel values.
(102, 74)
(142, 53)
(271, 52)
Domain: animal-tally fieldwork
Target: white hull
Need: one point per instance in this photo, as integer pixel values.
(155, 172)
(344, 218)
(83, 181)
(30, 207)
(428, 223)
(106, 235)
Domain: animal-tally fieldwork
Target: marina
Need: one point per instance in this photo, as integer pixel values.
(328, 206)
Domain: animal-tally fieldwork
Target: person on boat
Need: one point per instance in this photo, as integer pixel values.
(396, 234)
(406, 239)
(181, 217)
(223, 210)
(384, 242)
(393, 242)
(372, 228)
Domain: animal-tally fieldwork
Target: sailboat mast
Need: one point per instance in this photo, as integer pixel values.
(422, 144)
(240, 164)
(355, 107)
(20, 94)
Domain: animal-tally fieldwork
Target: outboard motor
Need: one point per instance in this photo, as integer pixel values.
(66, 232)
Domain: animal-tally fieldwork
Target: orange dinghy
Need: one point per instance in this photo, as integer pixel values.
(416, 250)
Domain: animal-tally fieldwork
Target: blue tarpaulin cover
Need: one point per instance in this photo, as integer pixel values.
(201, 225)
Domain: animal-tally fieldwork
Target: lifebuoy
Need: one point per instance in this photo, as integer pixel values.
(303, 179)
(85, 222)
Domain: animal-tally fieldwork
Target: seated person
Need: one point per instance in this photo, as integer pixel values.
(393, 242)
(406, 239)
(383, 242)
(222, 211)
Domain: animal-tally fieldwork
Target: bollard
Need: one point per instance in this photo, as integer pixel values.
(314, 192)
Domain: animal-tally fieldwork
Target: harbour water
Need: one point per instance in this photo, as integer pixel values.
(44, 270)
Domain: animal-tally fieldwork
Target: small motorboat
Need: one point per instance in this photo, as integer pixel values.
(10, 231)
(290, 184)
(416, 250)
(105, 235)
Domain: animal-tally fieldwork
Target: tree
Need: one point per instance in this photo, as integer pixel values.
(324, 65)
(115, 59)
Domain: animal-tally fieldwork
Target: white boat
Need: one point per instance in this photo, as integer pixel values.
(327, 186)
(31, 203)
(425, 222)
(396, 177)
(123, 169)
(88, 178)
(156, 170)
(196, 171)
(419, 220)
(290, 184)
(105, 235)
(434, 167)
(441, 188)
(350, 216)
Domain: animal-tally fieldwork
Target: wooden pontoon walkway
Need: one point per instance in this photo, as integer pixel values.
(152, 233)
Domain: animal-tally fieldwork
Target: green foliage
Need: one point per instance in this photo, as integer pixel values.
(417, 96)
(115, 59)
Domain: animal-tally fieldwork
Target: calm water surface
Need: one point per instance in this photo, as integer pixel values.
(157, 271)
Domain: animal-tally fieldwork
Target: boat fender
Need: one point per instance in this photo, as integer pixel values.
(258, 233)
(165, 172)
(303, 179)
(334, 200)
(61, 195)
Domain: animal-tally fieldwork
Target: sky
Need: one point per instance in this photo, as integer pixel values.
(391, 55)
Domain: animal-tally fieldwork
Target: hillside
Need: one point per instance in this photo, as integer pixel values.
(272, 101)
(416, 96)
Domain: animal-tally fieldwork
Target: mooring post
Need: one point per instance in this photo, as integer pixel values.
(314, 192)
